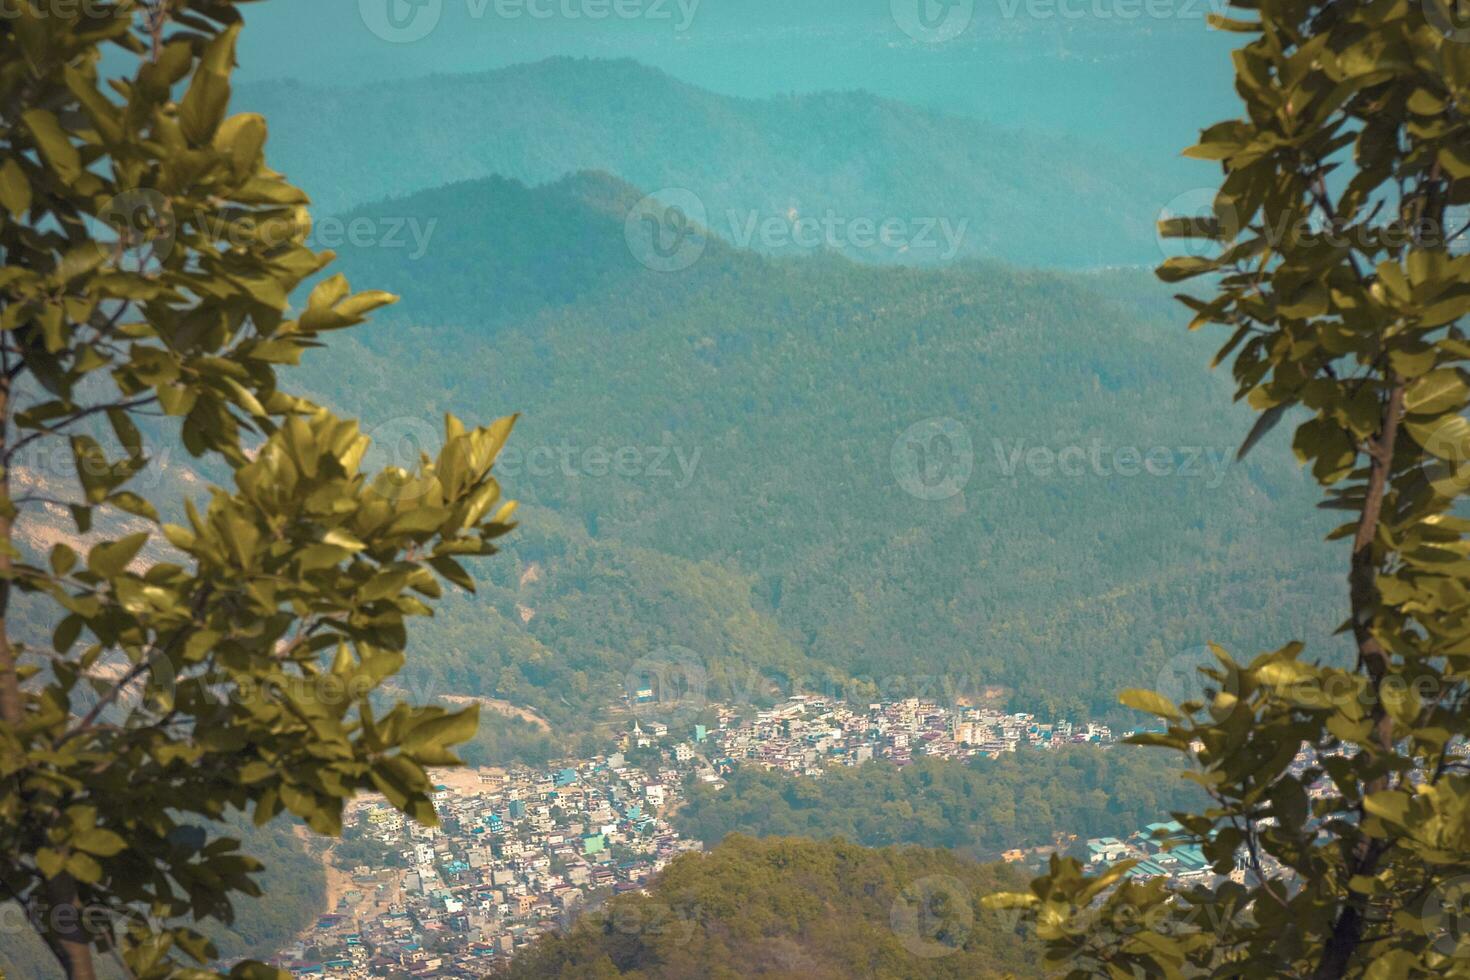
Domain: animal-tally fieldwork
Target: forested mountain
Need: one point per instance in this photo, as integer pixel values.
(796, 908)
(723, 459)
(1023, 799)
(978, 189)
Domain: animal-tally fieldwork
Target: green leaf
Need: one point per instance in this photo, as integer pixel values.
(111, 558)
(453, 571)
(1438, 391)
(83, 867)
(63, 559)
(444, 730)
(1267, 421)
(56, 147)
(1447, 437)
(15, 190)
(203, 106)
(101, 842)
(1179, 268)
(1149, 701)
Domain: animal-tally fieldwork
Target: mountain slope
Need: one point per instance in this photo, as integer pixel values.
(793, 908)
(946, 184)
(755, 418)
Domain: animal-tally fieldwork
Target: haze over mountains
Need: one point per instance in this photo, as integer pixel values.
(1137, 78)
(804, 467)
(945, 186)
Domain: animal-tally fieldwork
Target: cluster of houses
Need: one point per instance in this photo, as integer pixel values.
(521, 851)
(806, 734)
(1159, 850)
(517, 853)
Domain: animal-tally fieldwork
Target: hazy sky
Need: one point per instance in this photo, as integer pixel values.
(1136, 74)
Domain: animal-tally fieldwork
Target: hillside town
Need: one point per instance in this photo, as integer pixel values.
(523, 850)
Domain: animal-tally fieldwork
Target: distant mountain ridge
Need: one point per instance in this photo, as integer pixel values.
(847, 160)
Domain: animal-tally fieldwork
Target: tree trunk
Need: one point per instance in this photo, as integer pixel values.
(12, 709)
(1347, 930)
(69, 931)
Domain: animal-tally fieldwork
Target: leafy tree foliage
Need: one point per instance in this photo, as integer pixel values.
(222, 666)
(1333, 266)
(792, 907)
(294, 879)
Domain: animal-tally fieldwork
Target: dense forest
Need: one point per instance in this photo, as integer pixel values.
(714, 460)
(1020, 196)
(1023, 799)
(795, 908)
